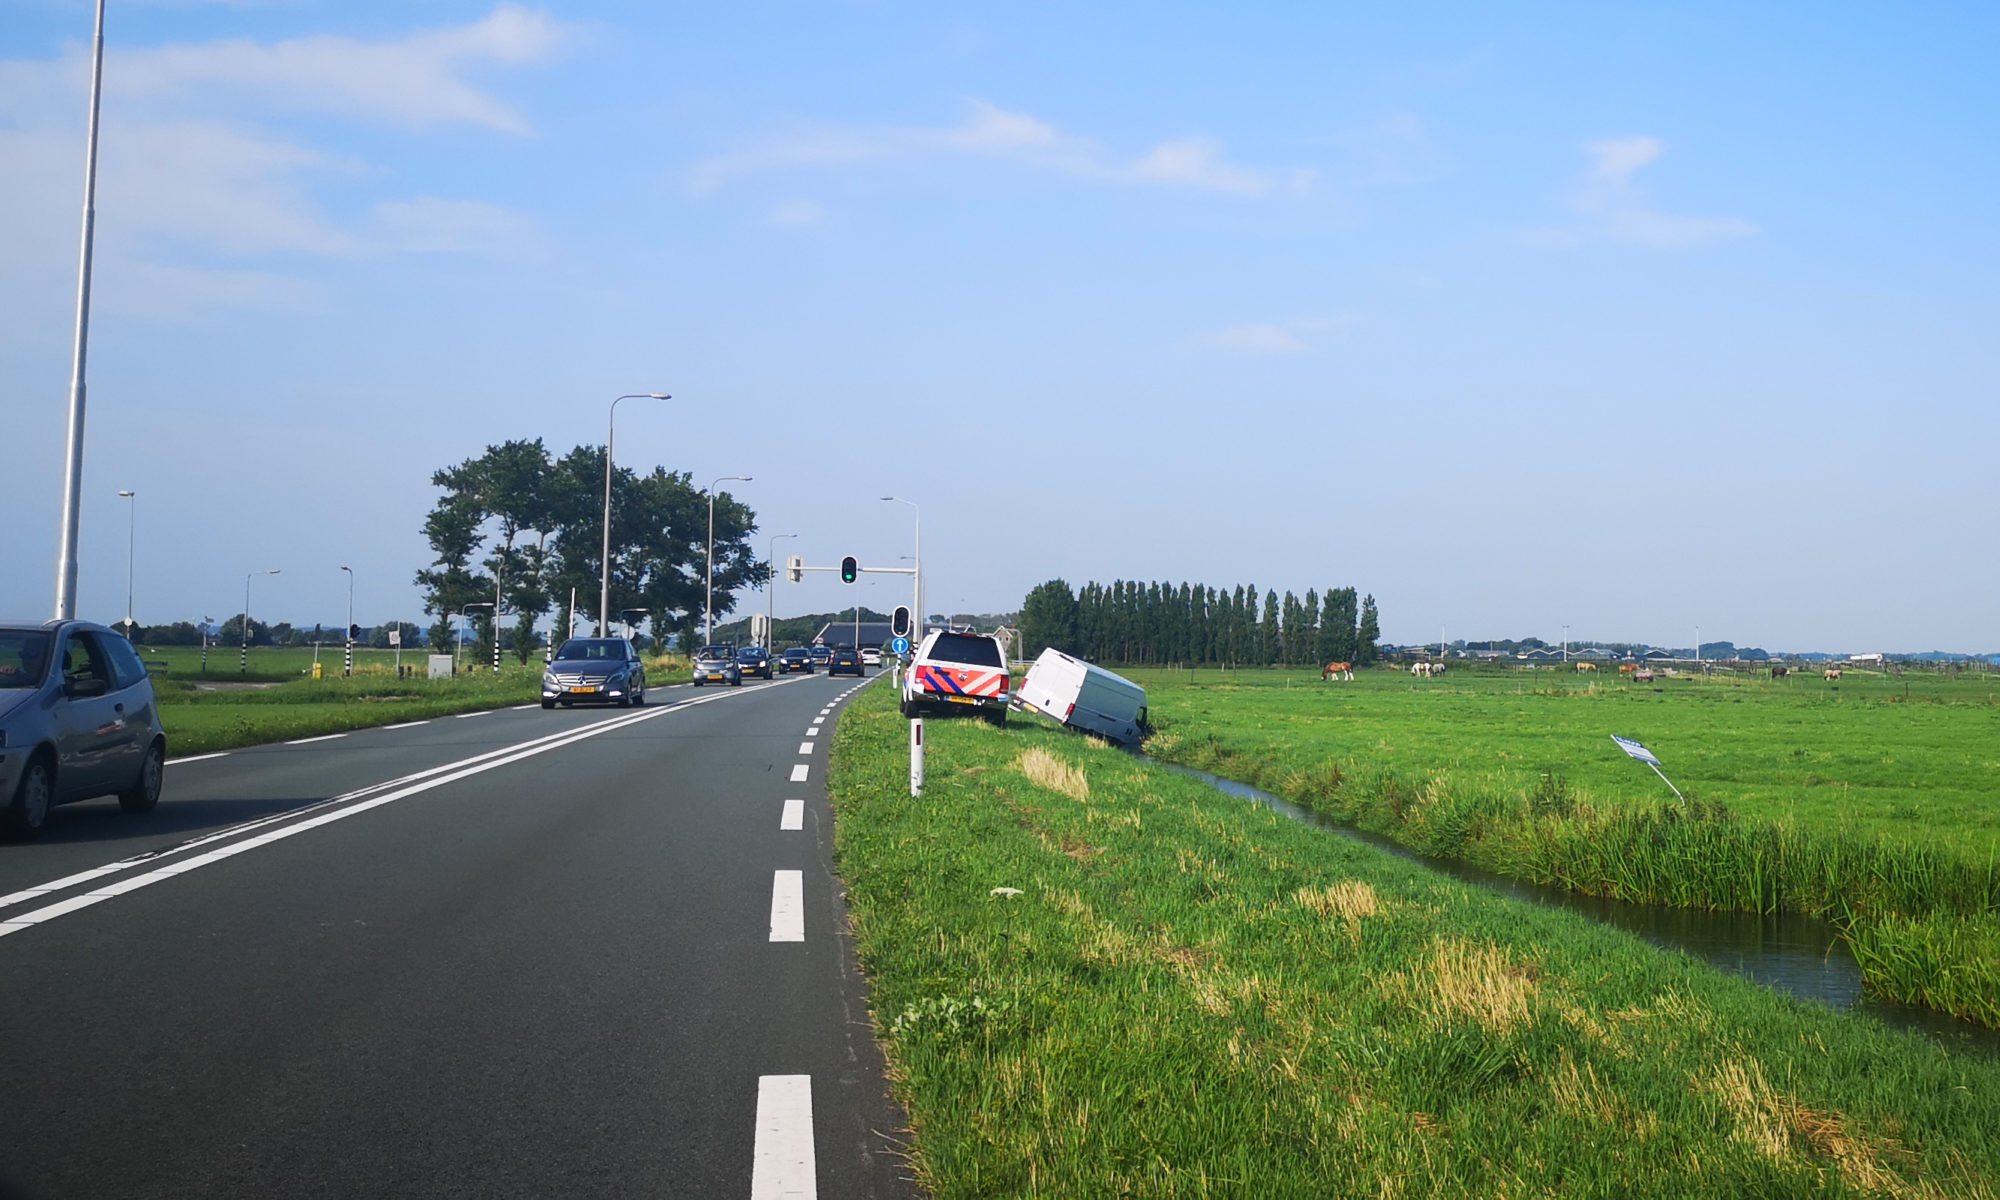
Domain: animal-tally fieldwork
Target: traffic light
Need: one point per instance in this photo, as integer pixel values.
(795, 568)
(354, 633)
(899, 621)
(849, 569)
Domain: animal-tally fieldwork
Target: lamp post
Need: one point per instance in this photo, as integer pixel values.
(917, 581)
(770, 590)
(131, 539)
(708, 608)
(604, 591)
(244, 667)
(348, 670)
(73, 455)
(459, 644)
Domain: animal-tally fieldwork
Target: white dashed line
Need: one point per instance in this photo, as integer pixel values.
(812, 731)
(175, 762)
(519, 707)
(784, 1169)
(795, 815)
(405, 725)
(463, 716)
(788, 906)
(799, 772)
(324, 737)
(818, 720)
(807, 747)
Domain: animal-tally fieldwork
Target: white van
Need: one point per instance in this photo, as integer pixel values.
(1086, 697)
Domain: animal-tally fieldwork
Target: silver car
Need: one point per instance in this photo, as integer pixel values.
(77, 720)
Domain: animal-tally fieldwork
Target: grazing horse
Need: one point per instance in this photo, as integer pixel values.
(1832, 673)
(1583, 666)
(1780, 672)
(1336, 671)
(1628, 668)
(1426, 668)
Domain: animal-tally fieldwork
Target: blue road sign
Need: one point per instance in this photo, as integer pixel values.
(900, 645)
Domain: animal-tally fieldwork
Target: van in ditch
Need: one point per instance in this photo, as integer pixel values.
(1086, 697)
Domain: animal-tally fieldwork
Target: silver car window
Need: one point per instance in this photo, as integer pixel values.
(125, 664)
(83, 658)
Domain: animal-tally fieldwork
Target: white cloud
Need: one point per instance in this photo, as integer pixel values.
(1282, 337)
(1614, 208)
(993, 132)
(429, 225)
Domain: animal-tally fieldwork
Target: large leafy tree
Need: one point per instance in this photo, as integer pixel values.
(1049, 618)
(535, 524)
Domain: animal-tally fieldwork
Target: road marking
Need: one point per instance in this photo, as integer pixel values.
(463, 716)
(799, 772)
(784, 1168)
(324, 737)
(818, 719)
(517, 751)
(807, 747)
(519, 707)
(812, 731)
(795, 815)
(788, 906)
(175, 762)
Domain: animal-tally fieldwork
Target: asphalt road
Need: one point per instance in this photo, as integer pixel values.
(526, 953)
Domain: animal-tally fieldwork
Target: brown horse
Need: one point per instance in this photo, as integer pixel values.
(1336, 671)
(1780, 672)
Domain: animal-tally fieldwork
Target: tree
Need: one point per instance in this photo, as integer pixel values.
(1366, 654)
(1048, 618)
(1267, 631)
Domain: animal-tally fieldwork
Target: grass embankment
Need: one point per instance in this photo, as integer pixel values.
(1872, 806)
(282, 664)
(1191, 996)
(198, 721)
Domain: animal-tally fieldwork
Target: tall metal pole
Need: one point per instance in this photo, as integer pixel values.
(770, 592)
(604, 592)
(244, 667)
(73, 457)
(917, 581)
(708, 606)
(131, 539)
(348, 669)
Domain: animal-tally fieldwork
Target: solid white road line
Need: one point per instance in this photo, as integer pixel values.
(496, 758)
(795, 815)
(324, 737)
(799, 772)
(807, 747)
(788, 906)
(784, 1168)
(175, 762)
(406, 725)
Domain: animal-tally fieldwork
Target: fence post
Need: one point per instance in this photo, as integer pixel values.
(916, 756)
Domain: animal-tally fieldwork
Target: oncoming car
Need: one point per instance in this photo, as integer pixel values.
(957, 672)
(797, 659)
(77, 720)
(755, 661)
(717, 664)
(604, 670)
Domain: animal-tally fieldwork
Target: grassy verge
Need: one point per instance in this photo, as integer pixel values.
(200, 721)
(1188, 995)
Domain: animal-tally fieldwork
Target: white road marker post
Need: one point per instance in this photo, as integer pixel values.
(916, 756)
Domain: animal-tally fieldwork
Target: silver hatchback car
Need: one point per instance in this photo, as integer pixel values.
(77, 720)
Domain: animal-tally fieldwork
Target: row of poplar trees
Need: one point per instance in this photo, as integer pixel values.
(1128, 622)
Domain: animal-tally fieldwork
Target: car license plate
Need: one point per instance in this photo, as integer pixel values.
(961, 699)
(583, 689)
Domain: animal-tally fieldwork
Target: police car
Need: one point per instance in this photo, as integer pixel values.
(957, 672)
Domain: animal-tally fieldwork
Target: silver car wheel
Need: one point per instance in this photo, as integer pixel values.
(25, 817)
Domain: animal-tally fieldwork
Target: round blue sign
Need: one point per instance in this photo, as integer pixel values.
(900, 645)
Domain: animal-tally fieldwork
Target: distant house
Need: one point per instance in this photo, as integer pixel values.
(1866, 660)
(1657, 656)
(1541, 654)
(872, 633)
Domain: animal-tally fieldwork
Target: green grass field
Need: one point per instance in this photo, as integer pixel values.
(1184, 994)
(1873, 805)
(283, 663)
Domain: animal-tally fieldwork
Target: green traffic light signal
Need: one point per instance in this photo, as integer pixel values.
(849, 569)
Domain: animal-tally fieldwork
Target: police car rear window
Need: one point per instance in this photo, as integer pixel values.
(964, 648)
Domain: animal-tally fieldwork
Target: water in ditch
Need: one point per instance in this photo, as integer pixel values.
(1798, 955)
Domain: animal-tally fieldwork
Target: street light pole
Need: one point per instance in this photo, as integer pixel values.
(348, 670)
(917, 582)
(708, 607)
(131, 538)
(770, 590)
(73, 456)
(604, 592)
(244, 667)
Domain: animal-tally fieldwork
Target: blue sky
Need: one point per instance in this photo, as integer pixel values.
(1626, 320)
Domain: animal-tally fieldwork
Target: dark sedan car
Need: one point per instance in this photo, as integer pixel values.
(797, 660)
(754, 660)
(821, 656)
(846, 661)
(77, 720)
(605, 670)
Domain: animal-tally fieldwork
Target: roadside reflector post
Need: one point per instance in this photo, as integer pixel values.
(916, 756)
